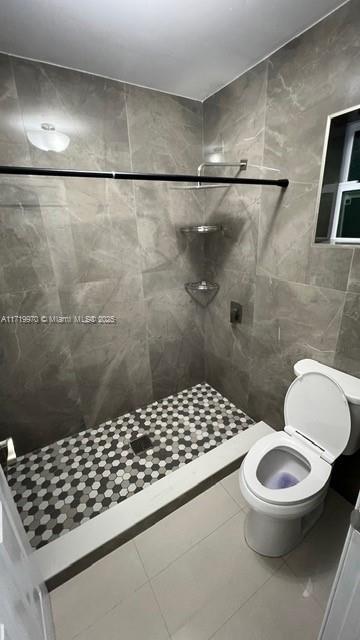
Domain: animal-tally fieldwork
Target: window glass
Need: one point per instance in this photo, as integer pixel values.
(349, 218)
(354, 170)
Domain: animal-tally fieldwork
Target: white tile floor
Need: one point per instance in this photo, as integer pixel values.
(192, 577)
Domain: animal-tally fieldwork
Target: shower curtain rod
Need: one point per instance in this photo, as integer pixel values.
(122, 175)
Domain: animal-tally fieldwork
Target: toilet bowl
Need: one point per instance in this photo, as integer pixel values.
(285, 476)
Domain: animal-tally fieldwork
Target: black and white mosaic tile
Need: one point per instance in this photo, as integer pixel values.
(65, 484)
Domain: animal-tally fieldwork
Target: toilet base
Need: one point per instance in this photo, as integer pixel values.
(276, 537)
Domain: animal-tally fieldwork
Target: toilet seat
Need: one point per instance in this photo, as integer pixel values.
(314, 482)
(317, 409)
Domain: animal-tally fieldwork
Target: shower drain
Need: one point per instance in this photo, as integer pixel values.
(143, 443)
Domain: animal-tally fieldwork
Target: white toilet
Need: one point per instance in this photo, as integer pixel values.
(284, 477)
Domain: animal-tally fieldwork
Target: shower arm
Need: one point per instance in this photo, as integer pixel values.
(242, 166)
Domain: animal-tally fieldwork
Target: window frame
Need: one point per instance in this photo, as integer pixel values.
(344, 185)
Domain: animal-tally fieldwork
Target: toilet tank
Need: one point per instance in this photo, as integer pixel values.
(351, 388)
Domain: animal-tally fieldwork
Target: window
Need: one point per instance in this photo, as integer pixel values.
(346, 217)
(339, 201)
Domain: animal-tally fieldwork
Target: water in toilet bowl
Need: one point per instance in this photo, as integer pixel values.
(282, 480)
(281, 468)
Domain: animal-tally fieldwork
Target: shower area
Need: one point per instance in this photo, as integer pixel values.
(113, 229)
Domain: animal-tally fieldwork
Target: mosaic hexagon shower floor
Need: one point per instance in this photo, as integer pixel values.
(60, 486)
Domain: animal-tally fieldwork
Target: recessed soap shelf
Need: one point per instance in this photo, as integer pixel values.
(203, 292)
(203, 229)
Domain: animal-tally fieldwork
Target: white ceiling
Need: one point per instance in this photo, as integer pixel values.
(185, 47)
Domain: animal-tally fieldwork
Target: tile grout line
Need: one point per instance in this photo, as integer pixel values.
(241, 507)
(160, 610)
(350, 270)
(148, 581)
(152, 588)
(156, 575)
(106, 613)
(141, 560)
(265, 273)
(247, 600)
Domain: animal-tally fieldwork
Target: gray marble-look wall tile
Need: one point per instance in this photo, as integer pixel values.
(225, 376)
(234, 119)
(292, 321)
(223, 339)
(166, 136)
(84, 196)
(235, 248)
(25, 258)
(113, 380)
(354, 274)
(106, 249)
(120, 297)
(286, 231)
(233, 129)
(111, 361)
(329, 266)
(162, 245)
(298, 313)
(57, 226)
(165, 131)
(13, 143)
(174, 315)
(32, 192)
(96, 241)
(115, 127)
(175, 365)
(168, 257)
(39, 393)
(347, 356)
(89, 109)
(286, 248)
(40, 405)
(309, 78)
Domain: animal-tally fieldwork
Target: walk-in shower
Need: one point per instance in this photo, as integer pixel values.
(67, 483)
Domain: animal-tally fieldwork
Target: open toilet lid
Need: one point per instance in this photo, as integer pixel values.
(316, 406)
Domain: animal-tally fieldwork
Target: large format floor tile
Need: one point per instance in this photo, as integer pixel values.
(205, 583)
(315, 560)
(231, 484)
(81, 601)
(279, 610)
(171, 537)
(216, 576)
(136, 618)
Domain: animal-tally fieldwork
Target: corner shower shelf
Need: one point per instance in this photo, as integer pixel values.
(202, 291)
(203, 229)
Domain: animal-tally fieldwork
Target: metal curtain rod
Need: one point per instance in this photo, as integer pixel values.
(122, 175)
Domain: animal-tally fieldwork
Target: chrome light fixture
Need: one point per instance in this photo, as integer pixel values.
(48, 139)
